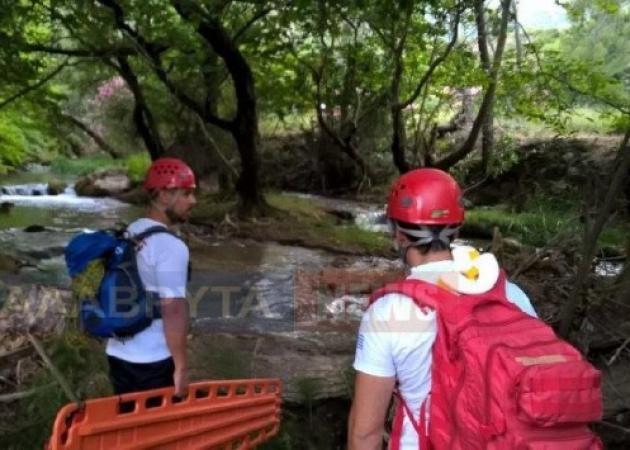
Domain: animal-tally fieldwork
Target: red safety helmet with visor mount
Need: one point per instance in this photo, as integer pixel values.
(169, 173)
(426, 198)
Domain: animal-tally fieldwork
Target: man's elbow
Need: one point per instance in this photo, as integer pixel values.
(173, 307)
(362, 437)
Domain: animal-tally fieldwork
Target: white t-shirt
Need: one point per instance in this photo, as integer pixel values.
(163, 267)
(396, 337)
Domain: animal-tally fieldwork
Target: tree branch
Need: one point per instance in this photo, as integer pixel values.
(488, 99)
(78, 52)
(262, 13)
(622, 163)
(434, 65)
(36, 85)
(152, 53)
(621, 108)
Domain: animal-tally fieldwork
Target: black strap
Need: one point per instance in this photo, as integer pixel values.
(153, 230)
(159, 229)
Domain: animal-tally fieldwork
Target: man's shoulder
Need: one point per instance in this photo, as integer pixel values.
(395, 305)
(167, 239)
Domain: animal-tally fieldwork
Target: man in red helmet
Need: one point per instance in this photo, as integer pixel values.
(394, 345)
(156, 357)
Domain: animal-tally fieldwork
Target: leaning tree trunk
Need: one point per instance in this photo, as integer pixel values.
(98, 140)
(142, 116)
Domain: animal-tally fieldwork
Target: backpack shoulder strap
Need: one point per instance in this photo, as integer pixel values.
(153, 230)
(423, 293)
(436, 296)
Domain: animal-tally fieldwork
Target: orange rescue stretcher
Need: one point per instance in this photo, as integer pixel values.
(232, 414)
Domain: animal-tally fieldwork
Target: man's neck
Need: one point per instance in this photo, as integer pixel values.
(415, 258)
(159, 216)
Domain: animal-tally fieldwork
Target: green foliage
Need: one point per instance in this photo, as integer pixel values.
(82, 362)
(137, 165)
(84, 166)
(543, 219)
(12, 145)
(23, 138)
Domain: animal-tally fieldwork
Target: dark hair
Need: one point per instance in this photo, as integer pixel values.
(436, 245)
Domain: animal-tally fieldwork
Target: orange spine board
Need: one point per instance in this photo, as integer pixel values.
(231, 414)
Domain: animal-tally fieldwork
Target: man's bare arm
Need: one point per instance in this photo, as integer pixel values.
(369, 407)
(175, 318)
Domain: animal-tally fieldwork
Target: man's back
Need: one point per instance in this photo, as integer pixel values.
(396, 338)
(163, 267)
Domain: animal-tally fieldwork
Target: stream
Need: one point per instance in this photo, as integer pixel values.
(236, 285)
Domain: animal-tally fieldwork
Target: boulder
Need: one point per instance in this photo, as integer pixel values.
(56, 187)
(134, 196)
(5, 207)
(103, 183)
(36, 309)
(312, 365)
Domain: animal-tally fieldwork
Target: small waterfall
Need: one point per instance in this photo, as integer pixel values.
(34, 189)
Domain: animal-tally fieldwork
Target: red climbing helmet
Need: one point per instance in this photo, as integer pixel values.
(426, 197)
(169, 173)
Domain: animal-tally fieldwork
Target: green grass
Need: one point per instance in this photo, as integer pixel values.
(321, 225)
(135, 163)
(579, 120)
(538, 227)
(293, 219)
(83, 166)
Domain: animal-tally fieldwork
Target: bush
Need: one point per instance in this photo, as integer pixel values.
(137, 165)
(12, 144)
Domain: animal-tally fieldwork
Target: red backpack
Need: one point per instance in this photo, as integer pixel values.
(501, 379)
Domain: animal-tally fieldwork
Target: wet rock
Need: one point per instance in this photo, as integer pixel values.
(341, 215)
(35, 229)
(5, 207)
(104, 183)
(9, 263)
(135, 196)
(33, 247)
(36, 309)
(56, 187)
(4, 292)
(321, 359)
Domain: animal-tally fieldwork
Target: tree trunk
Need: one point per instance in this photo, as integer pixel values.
(487, 141)
(488, 99)
(517, 34)
(142, 116)
(622, 164)
(398, 123)
(245, 124)
(622, 282)
(398, 141)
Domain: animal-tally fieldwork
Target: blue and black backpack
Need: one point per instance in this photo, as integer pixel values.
(119, 306)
